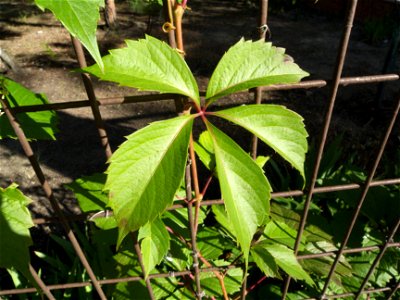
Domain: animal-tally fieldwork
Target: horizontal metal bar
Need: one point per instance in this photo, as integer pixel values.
(318, 190)
(115, 280)
(346, 251)
(341, 296)
(157, 97)
(188, 272)
(336, 188)
(101, 102)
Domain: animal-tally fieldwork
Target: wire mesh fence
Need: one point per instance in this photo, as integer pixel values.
(333, 86)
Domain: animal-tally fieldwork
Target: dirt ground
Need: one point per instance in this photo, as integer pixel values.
(42, 48)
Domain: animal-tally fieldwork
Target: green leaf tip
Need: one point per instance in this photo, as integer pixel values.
(41, 125)
(80, 19)
(155, 242)
(250, 64)
(15, 238)
(149, 65)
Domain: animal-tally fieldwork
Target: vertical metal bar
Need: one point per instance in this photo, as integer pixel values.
(140, 259)
(87, 82)
(395, 289)
(49, 193)
(196, 267)
(40, 283)
(367, 185)
(378, 258)
(334, 89)
(263, 29)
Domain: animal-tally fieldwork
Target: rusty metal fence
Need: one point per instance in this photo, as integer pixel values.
(333, 85)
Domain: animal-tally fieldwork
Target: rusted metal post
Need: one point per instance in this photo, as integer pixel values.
(378, 259)
(263, 29)
(365, 190)
(335, 86)
(92, 98)
(40, 283)
(49, 192)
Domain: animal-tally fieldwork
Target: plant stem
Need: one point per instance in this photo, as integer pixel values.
(218, 274)
(196, 268)
(138, 251)
(198, 195)
(205, 188)
(178, 12)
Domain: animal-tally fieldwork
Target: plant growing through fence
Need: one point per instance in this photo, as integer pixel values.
(151, 170)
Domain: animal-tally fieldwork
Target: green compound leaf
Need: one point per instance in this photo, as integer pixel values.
(154, 243)
(244, 188)
(250, 64)
(280, 128)
(150, 65)
(146, 171)
(80, 19)
(40, 125)
(15, 238)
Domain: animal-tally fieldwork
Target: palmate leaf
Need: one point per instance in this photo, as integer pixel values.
(154, 241)
(244, 188)
(250, 64)
(40, 125)
(146, 171)
(280, 128)
(80, 19)
(150, 65)
(15, 238)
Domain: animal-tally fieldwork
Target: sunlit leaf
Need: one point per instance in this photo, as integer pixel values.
(280, 128)
(80, 19)
(280, 233)
(154, 242)
(204, 150)
(40, 125)
(265, 261)
(285, 259)
(244, 188)
(15, 238)
(146, 171)
(250, 64)
(150, 65)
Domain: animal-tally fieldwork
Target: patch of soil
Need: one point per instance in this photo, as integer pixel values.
(43, 50)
